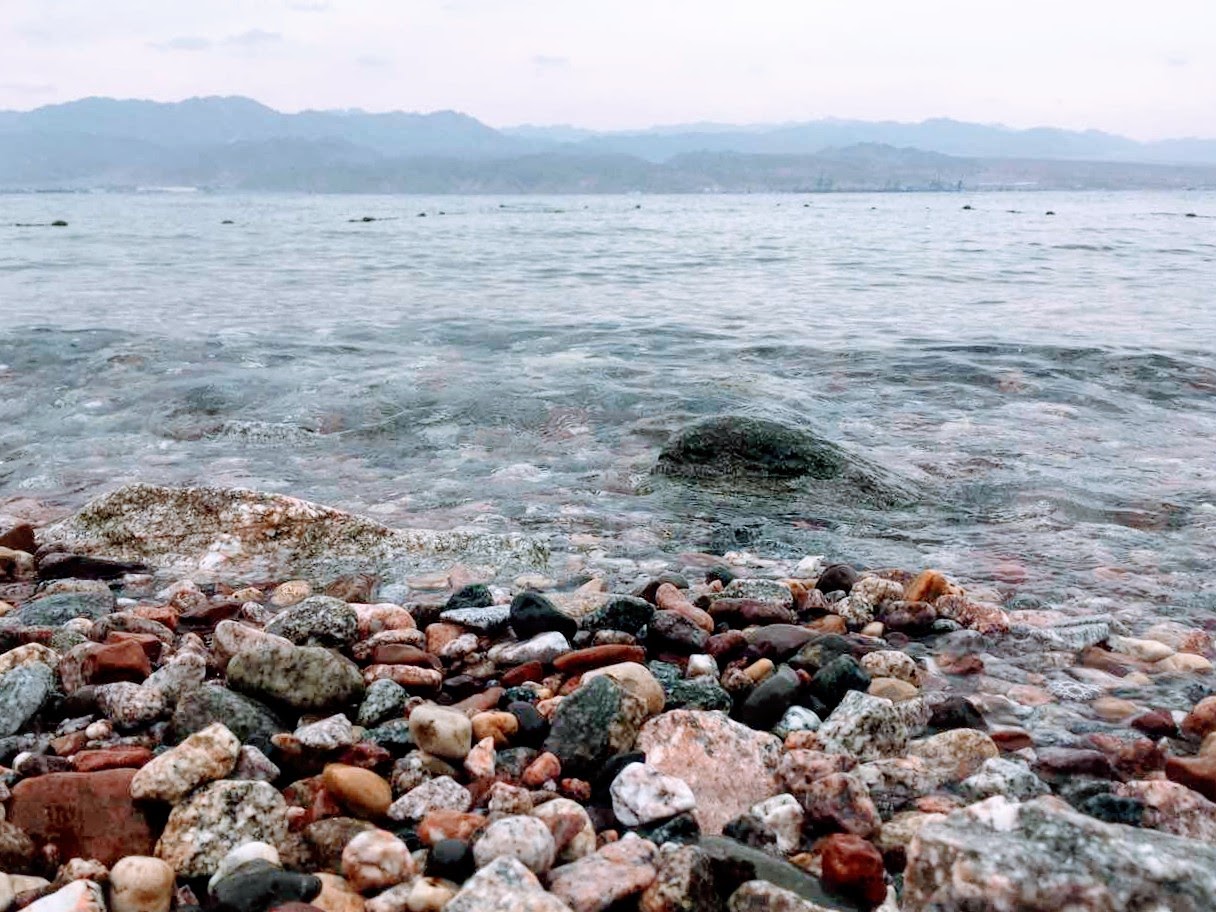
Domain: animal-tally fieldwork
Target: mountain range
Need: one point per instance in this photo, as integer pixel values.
(238, 143)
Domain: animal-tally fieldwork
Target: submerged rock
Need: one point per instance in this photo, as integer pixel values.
(755, 450)
(204, 533)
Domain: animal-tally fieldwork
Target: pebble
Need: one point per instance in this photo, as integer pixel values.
(440, 793)
(853, 867)
(525, 839)
(78, 896)
(327, 734)
(139, 883)
(543, 648)
(242, 855)
(217, 819)
(641, 794)
(204, 756)
(504, 885)
(443, 732)
(360, 791)
(616, 871)
(376, 859)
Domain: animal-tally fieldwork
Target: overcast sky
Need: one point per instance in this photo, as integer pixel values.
(1143, 69)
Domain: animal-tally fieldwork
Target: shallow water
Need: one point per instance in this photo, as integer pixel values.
(515, 363)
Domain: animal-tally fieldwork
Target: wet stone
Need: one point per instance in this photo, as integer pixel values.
(599, 719)
(317, 621)
(531, 614)
(486, 619)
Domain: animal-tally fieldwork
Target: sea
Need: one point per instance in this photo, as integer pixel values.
(1040, 366)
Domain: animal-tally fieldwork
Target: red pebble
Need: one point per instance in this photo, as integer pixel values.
(853, 867)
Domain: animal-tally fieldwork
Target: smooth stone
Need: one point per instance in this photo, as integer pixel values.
(257, 886)
(531, 614)
(618, 870)
(327, 734)
(544, 648)
(384, 699)
(87, 815)
(637, 679)
(768, 702)
(579, 837)
(140, 883)
(360, 791)
(376, 859)
(484, 618)
(443, 732)
(526, 839)
(246, 718)
(1060, 856)
(440, 793)
(306, 678)
(242, 855)
(23, 691)
(78, 896)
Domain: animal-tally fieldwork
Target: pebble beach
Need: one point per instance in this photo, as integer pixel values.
(200, 710)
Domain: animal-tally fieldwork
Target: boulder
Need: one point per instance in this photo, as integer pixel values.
(1041, 854)
(746, 450)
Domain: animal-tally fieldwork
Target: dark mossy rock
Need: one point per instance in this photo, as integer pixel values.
(258, 886)
(622, 612)
(57, 610)
(475, 595)
(681, 829)
(533, 727)
(837, 678)
(245, 717)
(690, 693)
(1114, 809)
(744, 450)
(592, 724)
(451, 859)
(767, 703)
(532, 614)
(837, 578)
(61, 565)
(956, 712)
(393, 736)
(820, 651)
(735, 863)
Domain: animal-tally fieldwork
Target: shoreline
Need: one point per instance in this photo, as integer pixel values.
(495, 735)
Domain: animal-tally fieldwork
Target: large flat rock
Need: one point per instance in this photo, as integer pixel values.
(1042, 854)
(207, 533)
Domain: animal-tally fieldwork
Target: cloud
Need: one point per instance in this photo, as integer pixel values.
(1177, 62)
(547, 62)
(372, 61)
(253, 38)
(183, 43)
(309, 6)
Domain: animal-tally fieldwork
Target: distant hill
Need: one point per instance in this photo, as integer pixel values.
(238, 143)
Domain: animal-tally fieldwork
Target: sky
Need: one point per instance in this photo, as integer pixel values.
(1146, 70)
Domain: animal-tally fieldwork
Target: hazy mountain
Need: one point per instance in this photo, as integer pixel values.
(237, 143)
(215, 121)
